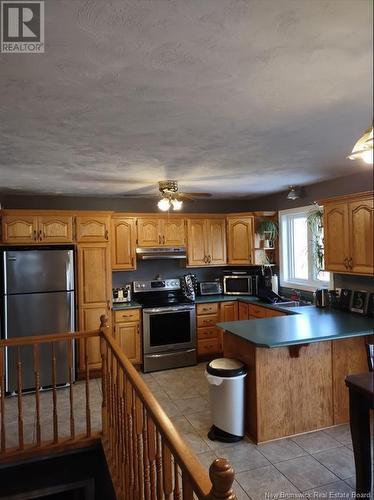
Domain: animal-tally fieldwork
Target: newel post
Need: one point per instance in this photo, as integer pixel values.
(104, 324)
(222, 476)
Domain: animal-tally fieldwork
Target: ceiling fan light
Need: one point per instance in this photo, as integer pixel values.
(363, 149)
(164, 204)
(177, 204)
(293, 193)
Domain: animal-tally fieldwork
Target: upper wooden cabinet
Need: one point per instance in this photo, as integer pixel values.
(206, 242)
(55, 229)
(348, 235)
(240, 240)
(51, 228)
(92, 228)
(123, 243)
(153, 232)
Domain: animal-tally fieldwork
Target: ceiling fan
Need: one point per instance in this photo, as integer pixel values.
(172, 197)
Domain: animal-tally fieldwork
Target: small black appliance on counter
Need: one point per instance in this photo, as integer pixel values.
(321, 297)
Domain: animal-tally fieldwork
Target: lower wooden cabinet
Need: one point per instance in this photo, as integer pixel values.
(127, 332)
(89, 319)
(209, 336)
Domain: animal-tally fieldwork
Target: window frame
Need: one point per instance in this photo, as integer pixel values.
(285, 262)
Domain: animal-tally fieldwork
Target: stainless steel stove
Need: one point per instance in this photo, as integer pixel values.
(169, 324)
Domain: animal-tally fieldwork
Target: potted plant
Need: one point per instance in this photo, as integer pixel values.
(268, 232)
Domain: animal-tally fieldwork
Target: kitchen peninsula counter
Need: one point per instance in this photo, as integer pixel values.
(297, 365)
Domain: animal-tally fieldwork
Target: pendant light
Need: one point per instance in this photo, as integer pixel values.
(293, 193)
(164, 204)
(363, 149)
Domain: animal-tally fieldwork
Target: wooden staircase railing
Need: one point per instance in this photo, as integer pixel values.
(146, 456)
(61, 436)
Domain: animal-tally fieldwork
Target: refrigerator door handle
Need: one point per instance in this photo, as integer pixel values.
(70, 271)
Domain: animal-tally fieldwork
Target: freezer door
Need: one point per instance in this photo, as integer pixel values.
(38, 314)
(34, 271)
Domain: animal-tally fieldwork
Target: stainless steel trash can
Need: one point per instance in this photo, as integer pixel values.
(226, 378)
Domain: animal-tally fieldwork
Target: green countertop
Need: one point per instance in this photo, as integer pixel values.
(205, 299)
(303, 326)
(126, 305)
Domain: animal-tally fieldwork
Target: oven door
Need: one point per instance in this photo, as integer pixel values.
(169, 329)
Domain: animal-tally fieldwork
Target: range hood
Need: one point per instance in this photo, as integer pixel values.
(153, 253)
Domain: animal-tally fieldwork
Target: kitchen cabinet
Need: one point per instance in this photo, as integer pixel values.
(240, 240)
(154, 232)
(123, 243)
(206, 242)
(242, 311)
(94, 295)
(348, 235)
(255, 311)
(209, 336)
(92, 228)
(29, 229)
(127, 332)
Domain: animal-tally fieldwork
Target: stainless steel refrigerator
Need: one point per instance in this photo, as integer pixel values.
(38, 299)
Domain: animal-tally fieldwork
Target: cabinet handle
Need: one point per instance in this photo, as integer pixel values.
(205, 259)
(346, 262)
(132, 261)
(34, 234)
(209, 259)
(159, 239)
(108, 304)
(138, 329)
(106, 234)
(350, 263)
(163, 240)
(40, 235)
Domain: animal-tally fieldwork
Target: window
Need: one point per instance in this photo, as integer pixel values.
(298, 250)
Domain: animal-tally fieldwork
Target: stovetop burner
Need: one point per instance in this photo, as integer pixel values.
(159, 293)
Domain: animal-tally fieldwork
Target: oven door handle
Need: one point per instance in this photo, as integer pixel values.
(168, 353)
(167, 309)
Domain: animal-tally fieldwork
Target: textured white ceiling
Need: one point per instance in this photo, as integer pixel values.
(236, 97)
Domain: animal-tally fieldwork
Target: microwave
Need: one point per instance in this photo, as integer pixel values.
(209, 288)
(240, 284)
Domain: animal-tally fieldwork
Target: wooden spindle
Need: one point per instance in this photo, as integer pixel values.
(54, 395)
(2, 401)
(146, 466)
(87, 378)
(187, 489)
(104, 402)
(35, 352)
(71, 392)
(167, 471)
(139, 444)
(177, 491)
(135, 446)
(129, 403)
(19, 390)
(152, 455)
(222, 476)
(160, 491)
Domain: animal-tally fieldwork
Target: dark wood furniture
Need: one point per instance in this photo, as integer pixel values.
(361, 400)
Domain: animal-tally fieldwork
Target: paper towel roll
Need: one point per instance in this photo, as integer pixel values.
(274, 283)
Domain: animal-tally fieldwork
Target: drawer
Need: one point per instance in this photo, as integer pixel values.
(257, 311)
(210, 346)
(207, 320)
(207, 309)
(126, 315)
(207, 333)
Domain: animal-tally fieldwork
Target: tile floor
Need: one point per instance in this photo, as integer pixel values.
(318, 465)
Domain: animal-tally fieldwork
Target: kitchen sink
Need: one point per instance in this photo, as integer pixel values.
(293, 303)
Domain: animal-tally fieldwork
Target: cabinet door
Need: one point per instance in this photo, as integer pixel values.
(149, 234)
(216, 236)
(92, 228)
(94, 275)
(89, 319)
(240, 241)
(55, 229)
(229, 311)
(128, 337)
(123, 243)
(196, 242)
(361, 236)
(173, 232)
(19, 229)
(242, 311)
(336, 237)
